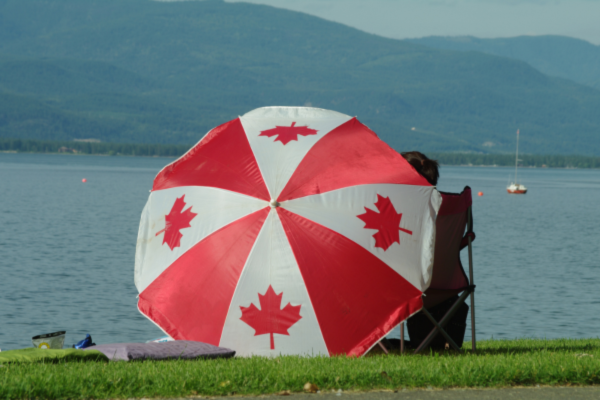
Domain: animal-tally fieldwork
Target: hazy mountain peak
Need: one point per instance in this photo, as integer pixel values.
(561, 56)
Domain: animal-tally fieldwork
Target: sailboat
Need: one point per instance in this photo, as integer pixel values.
(515, 187)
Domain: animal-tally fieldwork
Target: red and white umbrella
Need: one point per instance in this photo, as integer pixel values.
(289, 230)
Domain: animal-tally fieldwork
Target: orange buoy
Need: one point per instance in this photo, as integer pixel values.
(85, 180)
(480, 194)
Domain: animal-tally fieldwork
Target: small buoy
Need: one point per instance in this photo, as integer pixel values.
(85, 180)
(480, 194)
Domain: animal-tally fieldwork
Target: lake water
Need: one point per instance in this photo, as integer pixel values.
(67, 249)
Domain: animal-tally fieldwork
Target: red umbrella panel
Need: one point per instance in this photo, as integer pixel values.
(289, 230)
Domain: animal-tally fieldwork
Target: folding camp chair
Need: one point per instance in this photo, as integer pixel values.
(448, 276)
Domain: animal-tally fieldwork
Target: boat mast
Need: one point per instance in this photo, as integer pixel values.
(517, 157)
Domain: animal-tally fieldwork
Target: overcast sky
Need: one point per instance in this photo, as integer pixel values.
(482, 18)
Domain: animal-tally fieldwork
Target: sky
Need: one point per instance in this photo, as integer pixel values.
(401, 19)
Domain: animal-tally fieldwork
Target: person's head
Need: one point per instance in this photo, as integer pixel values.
(426, 167)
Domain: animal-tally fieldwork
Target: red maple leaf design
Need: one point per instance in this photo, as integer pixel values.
(288, 133)
(175, 221)
(270, 319)
(387, 223)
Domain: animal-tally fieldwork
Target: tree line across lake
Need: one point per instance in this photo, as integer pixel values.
(97, 148)
(525, 160)
(176, 150)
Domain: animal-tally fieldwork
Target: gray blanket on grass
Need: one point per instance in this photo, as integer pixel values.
(183, 349)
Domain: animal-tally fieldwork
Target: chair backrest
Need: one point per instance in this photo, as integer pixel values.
(448, 272)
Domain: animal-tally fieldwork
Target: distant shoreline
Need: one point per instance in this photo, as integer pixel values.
(92, 148)
(173, 157)
(176, 150)
(82, 154)
(525, 160)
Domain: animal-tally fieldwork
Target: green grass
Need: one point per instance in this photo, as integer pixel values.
(498, 363)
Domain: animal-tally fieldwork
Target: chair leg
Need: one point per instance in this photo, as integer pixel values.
(383, 347)
(441, 330)
(401, 337)
(438, 327)
(470, 228)
(473, 342)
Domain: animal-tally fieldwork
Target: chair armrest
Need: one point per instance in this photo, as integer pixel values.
(465, 240)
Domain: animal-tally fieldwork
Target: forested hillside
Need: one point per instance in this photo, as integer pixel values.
(166, 72)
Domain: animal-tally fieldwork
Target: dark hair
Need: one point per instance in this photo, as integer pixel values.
(426, 167)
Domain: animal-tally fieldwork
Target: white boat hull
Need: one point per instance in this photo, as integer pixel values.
(516, 188)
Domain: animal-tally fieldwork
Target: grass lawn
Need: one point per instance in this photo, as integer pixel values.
(497, 363)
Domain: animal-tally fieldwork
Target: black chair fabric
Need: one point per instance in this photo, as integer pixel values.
(419, 326)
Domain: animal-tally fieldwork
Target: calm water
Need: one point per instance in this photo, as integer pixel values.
(67, 249)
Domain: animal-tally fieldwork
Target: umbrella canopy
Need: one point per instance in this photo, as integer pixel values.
(289, 230)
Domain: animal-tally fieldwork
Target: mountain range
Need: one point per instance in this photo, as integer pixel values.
(140, 71)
